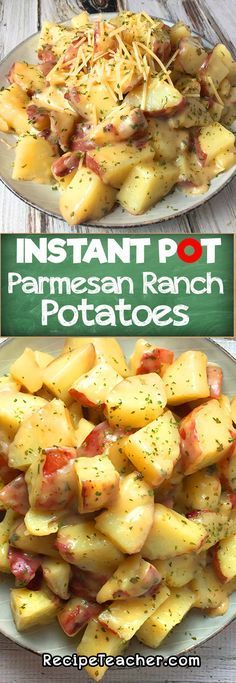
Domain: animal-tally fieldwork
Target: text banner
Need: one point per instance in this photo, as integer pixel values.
(123, 285)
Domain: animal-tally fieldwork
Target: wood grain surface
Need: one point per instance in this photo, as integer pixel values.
(214, 19)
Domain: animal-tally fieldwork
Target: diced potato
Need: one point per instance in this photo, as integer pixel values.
(42, 358)
(105, 347)
(146, 184)
(155, 449)
(27, 372)
(225, 559)
(51, 480)
(28, 76)
(6, 526)
(82, 431)
(125, 617)
(227, 470)
(33, 160)
(98, 483)
(134, 577)
(191, 55)
(201, 491)
(206, 436)
(114, 162)
(177, 32)
(97, 639)
(80, 20)
(13, 103)
(86, 197)
(8, 383)
(213, 140)
(20, 538)
(214, 67)
(76, 613)
(76, 414)
(31, 608)
(128, 521)
(172, 534)
(136, 401)
(83, 545)
(57, 574)
(40, 523)
(162, 98)
(116, 453)
(177, 571)
(182, 385)
(168, 615)
(15, 407)
(48, 426)
(215, 523)
(167, 142)
(52, 99)
(147, 357)
(93, 388)
(208, 590)
(59, 375)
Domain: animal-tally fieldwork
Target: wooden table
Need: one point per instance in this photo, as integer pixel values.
(218, 655)
(212, 18)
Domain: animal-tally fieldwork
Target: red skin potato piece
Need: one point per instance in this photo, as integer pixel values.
(72, 620)
(93, 165)
(153, 361)
(214, 378)
(15, 495)
(216, 565)
(169, 111)
(86, 584)
(96, 442)
(46, 54)
(6, 472)
(58, 484)
(82, 398)
(23, 565)
(80, 141)
(65, 164)
(189, 444)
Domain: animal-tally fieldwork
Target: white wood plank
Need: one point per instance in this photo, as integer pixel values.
(18, 20)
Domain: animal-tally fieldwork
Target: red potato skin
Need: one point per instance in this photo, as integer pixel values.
(65, 164)
(37, 117)
(145, 586)
(223, 469)
(82, 398)
(58, 484)
(80, 141)
(72, 620)
(86, 584)
(202, 156)
(46, 54)
(215, 379)
(7, 474)
(162, 50)
(101, 436)
(93, 165)
(23, 565)
(169, 111)
(15, 495)
(153, 361)
(216, 565)
(89, 489)
(189, 444)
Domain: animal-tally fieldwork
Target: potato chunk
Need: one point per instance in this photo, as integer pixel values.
(208, 590)
(44, 428)
(107, 348)
(84, 546)
(28, 76)
(168, 615)
(171, 535)
(59, 375)
(128, 521)
(15, 407)
(57, 574)
(155, 449)
(212, 141)
(31, 608)
(125, 617)
(33, 160)
(98, 483)
(114, 162)
(133, 578)
(136, 401)
(13, 103)
(146, 184)
(206, 436)
(186, 379)
(97, 639)
(86, 197)
(177, 571)
(26, 370)
(93, 388)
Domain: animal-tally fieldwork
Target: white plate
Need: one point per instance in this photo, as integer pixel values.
(196, 627)
(42, 197)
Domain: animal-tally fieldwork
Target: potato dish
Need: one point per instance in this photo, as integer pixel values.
(118, 491)
(120, 110)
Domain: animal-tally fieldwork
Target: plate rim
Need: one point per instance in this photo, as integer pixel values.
(96, 224)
